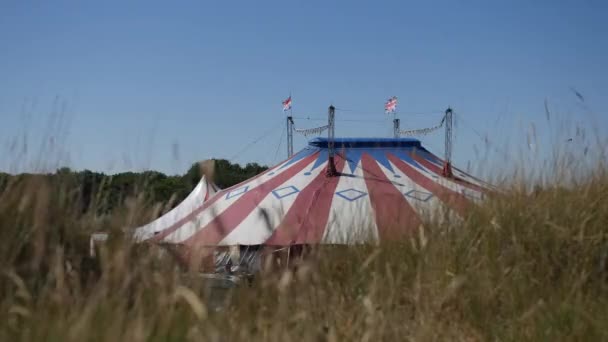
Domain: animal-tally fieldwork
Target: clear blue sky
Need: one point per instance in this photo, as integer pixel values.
(159, 85)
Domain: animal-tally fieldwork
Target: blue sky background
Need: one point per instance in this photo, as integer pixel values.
(113, 85)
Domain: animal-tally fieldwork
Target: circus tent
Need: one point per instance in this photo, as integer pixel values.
(203, 191)
(383, 190)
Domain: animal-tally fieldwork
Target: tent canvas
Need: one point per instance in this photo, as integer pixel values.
(383, 190)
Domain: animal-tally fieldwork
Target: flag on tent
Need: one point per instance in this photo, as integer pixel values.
(287, 104)
(391, 105)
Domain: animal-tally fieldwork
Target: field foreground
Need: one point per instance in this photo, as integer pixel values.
(524, 266)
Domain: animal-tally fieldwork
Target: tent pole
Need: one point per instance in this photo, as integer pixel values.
(290, 136)
(396, 127)
(447, 162)
(331, 166)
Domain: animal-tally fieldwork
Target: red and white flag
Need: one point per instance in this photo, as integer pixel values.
(287, 104)
(391, 105)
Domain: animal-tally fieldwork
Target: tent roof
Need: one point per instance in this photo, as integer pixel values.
(383, 190)
(366, 142)
(203, 191)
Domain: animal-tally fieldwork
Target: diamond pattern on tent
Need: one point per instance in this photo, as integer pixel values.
(419, 195)
(284, 192)
(237, 192)
(351, 194)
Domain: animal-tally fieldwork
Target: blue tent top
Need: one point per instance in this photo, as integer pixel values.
(366, 142)
(353, 149)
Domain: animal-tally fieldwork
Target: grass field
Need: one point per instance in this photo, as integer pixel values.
(526, 265)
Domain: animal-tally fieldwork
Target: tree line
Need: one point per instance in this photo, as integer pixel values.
(88, 190)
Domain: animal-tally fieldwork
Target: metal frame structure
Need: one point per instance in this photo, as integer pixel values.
(331, 166)
(396, 128)
(290, 126)
(447, 163)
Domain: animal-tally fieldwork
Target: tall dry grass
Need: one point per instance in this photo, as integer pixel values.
(523, 266)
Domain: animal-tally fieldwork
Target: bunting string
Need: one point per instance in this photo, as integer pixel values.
(422, 131)
(310, 131)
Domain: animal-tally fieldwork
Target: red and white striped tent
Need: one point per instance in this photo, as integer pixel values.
(383, 189)
(203, 191)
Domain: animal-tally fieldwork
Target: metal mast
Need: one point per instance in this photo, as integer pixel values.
(447, 162)
(331, 166)
(290, 126)
(396, 127)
